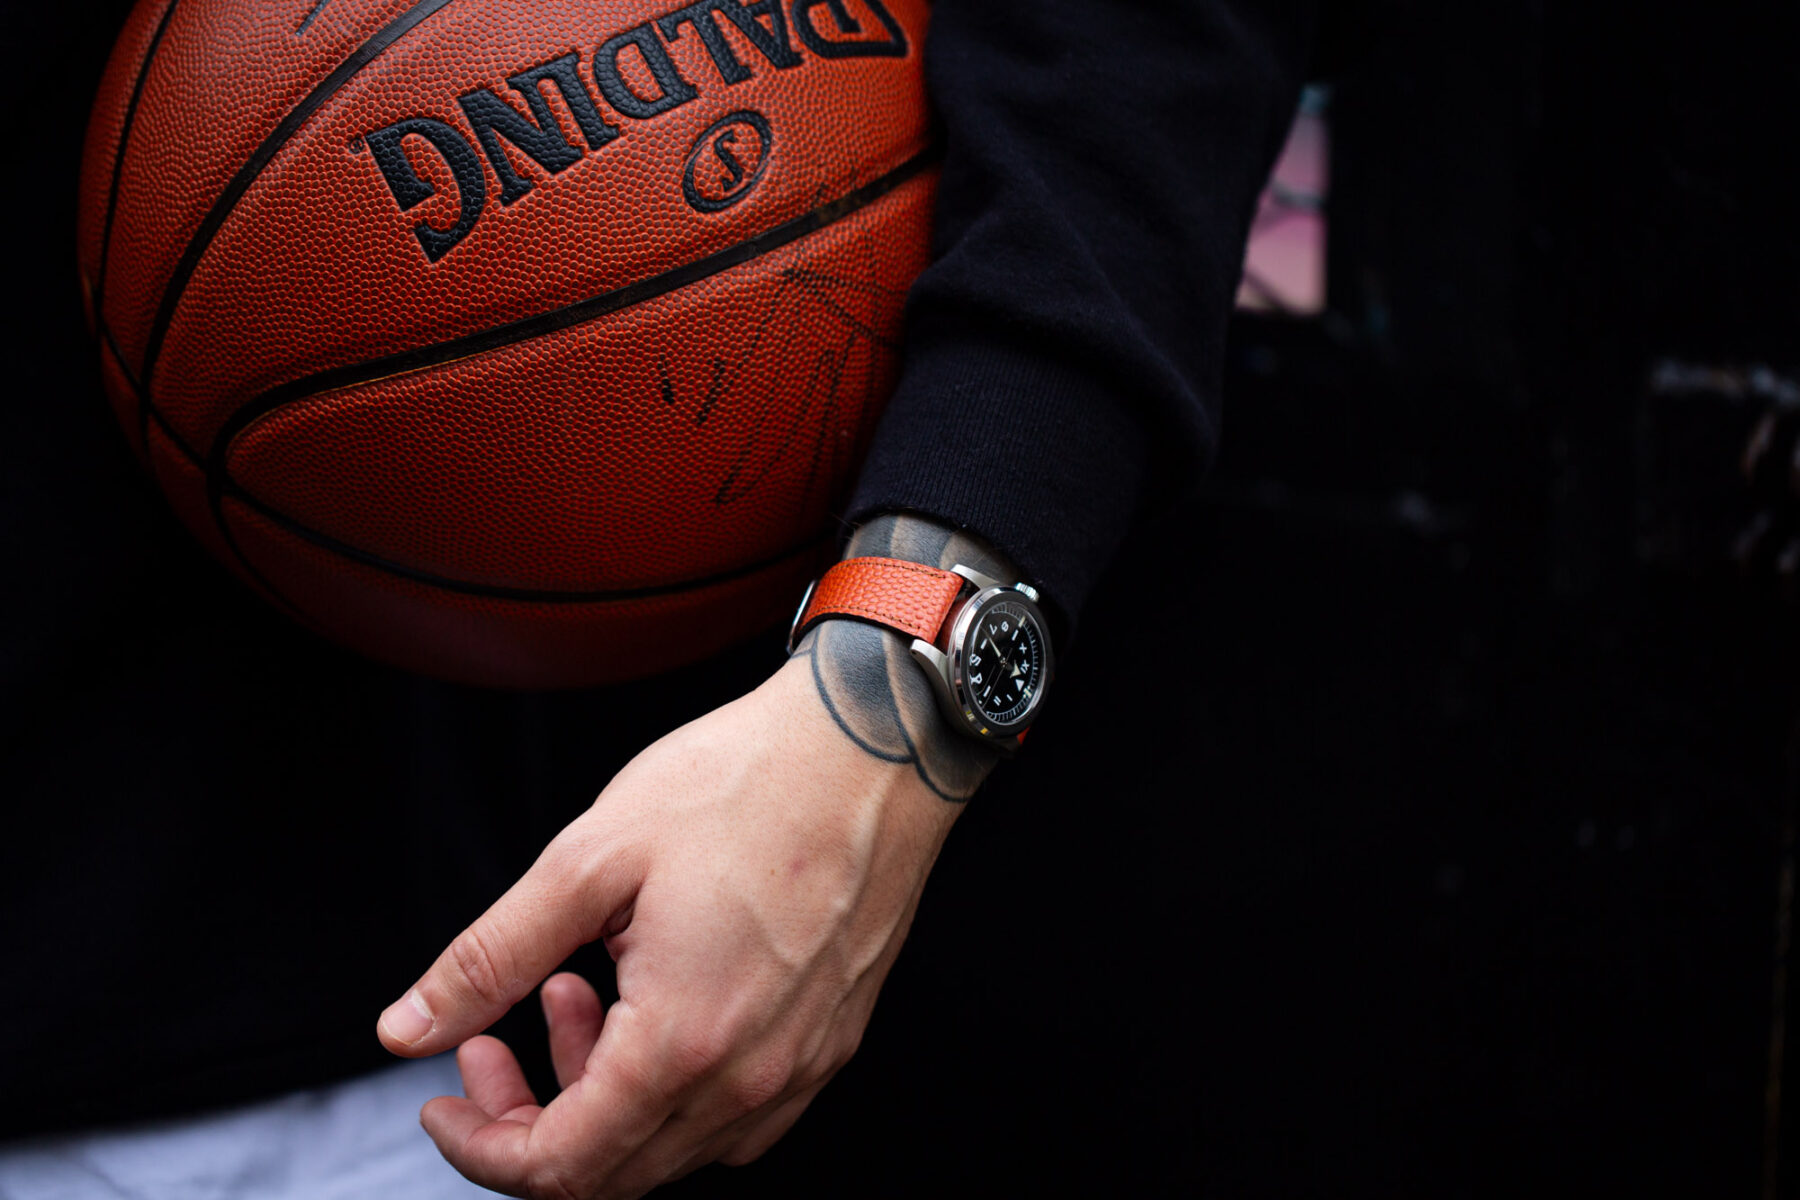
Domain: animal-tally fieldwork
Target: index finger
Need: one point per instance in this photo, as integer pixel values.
(563, 902)
(629, 1091)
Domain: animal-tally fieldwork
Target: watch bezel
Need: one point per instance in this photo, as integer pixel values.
(961, 627)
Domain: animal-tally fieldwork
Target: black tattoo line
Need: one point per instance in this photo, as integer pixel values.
(869, 683)
(806, 651)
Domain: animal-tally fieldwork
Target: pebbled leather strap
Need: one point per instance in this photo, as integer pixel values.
(907, 597)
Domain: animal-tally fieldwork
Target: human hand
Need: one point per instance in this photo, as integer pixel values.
(753, 874)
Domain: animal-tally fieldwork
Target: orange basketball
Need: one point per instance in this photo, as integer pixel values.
(522, 342)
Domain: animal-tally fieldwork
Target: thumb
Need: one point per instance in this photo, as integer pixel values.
(563, 902)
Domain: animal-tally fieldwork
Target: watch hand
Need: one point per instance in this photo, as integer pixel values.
(1005, 662)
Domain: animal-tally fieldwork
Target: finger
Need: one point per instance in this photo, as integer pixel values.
(694, 1138)
(563, 902)
(631, 1084)
(685, 1143)
(493, 1081)
(491, 1153)
(730, 1113)
(573, 1011)
(771, 1128)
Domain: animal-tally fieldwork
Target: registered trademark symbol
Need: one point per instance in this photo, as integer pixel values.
(727, 161)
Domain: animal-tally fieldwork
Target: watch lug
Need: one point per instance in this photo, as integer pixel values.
(932, 659)
(984, 582)
(937, 669)
(981, 582)
(800, 614)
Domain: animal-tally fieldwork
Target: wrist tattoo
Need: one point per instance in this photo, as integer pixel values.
(867, 677)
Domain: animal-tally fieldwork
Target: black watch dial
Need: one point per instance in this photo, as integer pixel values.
(1004, 663)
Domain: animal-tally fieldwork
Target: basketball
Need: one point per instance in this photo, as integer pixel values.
(514, 342)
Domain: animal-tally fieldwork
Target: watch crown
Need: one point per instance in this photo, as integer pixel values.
(1029, 592)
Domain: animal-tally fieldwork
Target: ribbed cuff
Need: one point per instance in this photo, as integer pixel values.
(1034, 456)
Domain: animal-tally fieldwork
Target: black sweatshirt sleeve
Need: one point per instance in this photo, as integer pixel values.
(1102, 165)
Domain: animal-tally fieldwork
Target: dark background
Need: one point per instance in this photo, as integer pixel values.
(1410, 818)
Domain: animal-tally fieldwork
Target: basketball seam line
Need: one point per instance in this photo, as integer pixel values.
(112, 346)
(112, 191)
(218, 476)
(502, 591)
(252, 169)
(424, 358)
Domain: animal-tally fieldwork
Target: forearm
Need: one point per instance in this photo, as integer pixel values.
(871, 686)
(1063, 349)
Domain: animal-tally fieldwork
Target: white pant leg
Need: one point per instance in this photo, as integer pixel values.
(356, 1140)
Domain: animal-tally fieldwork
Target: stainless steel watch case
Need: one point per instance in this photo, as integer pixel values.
(800, 615)
(945, 669)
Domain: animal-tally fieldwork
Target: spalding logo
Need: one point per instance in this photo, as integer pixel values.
(604, 100)
(727, 161)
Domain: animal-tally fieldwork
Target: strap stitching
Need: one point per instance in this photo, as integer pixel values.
(858, 610)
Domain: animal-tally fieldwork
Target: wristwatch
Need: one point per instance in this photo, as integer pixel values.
(983, 642)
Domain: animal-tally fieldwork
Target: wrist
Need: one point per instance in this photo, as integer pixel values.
(920, 656)
(862, 742)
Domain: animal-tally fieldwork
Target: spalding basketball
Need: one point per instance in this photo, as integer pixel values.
(522, 342)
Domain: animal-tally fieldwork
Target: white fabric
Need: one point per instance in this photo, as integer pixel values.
(358, 1140)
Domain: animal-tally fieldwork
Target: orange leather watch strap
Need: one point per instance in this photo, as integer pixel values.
(907, 597)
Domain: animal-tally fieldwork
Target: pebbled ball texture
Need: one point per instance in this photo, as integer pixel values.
(522, 343)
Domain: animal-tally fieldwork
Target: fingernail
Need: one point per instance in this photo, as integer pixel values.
(407, 1019)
